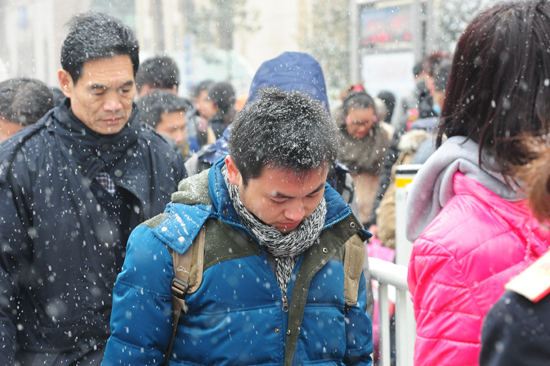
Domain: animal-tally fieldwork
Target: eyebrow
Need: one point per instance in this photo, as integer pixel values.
(128, 83)
(99, 86)
(280, 195)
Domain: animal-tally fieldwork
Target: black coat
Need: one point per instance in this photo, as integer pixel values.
(516, 332)
(57, 261)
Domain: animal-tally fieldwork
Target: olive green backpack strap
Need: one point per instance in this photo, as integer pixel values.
(354, 257)
(188, 270)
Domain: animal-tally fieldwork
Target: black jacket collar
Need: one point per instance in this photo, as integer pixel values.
(92, 151)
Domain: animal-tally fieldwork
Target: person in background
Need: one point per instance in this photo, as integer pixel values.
(200, 97)
(157, 73)
(23, 101)
(72, 187)
(162, 73)
(166, 113)
(337, 107)
(431, 64)
(423, 72)
(409, 99)
(220, 107)
(205, 134)
(406, 110)
(363, 142)
(441, 78)
(467, 212)
(414, 148)
(389, 100)
(516, 331)
(381, 112)
(273, 287)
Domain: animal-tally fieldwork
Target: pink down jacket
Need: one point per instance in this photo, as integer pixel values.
(459, 266)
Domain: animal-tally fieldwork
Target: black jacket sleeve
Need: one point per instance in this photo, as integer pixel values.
(15, 245)
(516, 332)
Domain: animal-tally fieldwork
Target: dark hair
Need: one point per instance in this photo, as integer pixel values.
(282, 130)
(223, 96)
(357, 100)
(418, 69)
(432, 61)
(441, 76)
(153, 105)
(499, 84)
(158, 72)
(202, 86)
(389, 100)
(94, 35)
(24, 101)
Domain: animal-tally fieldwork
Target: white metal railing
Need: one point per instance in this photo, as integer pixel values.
(389, 274)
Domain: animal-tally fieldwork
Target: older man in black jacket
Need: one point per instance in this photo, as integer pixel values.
(72, 187)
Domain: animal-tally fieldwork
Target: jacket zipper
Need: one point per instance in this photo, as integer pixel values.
(284, 298)
(284, 308)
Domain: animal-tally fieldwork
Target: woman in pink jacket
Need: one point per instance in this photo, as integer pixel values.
(467, 215)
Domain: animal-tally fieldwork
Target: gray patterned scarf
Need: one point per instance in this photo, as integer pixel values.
(286, 248)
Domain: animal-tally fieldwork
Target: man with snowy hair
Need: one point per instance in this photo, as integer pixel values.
(72, 188)
(275, 277)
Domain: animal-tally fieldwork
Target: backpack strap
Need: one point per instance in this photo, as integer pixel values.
(354, 257)
(188, 270)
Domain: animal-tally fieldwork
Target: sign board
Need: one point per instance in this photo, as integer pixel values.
(386, 25)
(388, 71)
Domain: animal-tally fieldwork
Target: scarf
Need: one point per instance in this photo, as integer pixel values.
(286, 248)
(92, 151)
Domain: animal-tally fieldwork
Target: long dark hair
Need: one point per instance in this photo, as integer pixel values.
(499, 88)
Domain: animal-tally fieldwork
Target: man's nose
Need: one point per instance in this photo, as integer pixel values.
(295, 211)
(180, 136)
(113, 104)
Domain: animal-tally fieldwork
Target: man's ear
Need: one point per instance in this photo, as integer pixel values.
(65, 82)
(233, 173)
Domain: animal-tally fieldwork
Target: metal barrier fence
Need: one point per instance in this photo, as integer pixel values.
(389, 274)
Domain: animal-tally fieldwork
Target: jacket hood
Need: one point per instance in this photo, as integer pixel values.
(291, 71)
(433, 186)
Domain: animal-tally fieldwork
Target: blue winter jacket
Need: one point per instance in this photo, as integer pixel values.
(236, 317)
